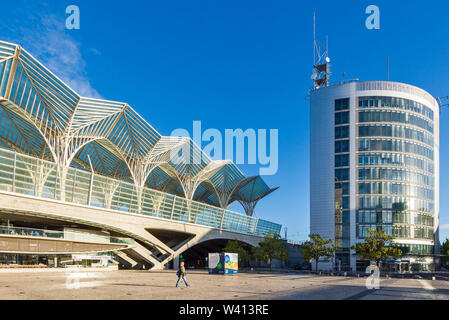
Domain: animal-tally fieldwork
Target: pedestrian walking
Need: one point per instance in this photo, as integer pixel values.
(181, 274)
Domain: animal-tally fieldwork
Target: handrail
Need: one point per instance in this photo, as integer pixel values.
(65, 235)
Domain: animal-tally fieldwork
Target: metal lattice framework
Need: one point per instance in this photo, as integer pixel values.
(251, 193)
(41, 116)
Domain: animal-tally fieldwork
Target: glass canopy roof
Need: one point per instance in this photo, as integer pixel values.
(42, 116)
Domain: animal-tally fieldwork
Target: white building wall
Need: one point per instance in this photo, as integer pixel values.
(322, 159)
(437, 176)
(322, 165)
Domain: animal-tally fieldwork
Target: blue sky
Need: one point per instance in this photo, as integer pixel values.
(237, 64)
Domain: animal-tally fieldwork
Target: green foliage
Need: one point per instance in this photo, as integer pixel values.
(444, 251)
(377, 246)
(260, 255)
(234, 246)
(317, 248)
(273, 247)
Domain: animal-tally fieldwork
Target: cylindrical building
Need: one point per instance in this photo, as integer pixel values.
(374, 163)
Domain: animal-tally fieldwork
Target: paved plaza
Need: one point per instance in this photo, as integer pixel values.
(144, 285)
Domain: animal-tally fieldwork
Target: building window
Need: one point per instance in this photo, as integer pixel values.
(394, 131)
(342, 160)
(341, 104)
(393, 116)
(395, 145)
(341, 146)
(342, 199)
(342, 117)
(395, 103)
(342, 174)
(395, 159)
(342, 132)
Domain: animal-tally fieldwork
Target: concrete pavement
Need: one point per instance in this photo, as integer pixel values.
(160, 285)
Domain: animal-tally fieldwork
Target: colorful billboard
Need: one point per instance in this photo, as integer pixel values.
(231, 263)
(223, 263)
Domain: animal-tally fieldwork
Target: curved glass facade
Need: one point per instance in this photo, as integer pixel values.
(401, 188)
(396, 131)
(402, 146)
(396, 203)
(395, 159)
(396, 117)
(395, 174)
(400, 174)
(397, 217)
(396, 103)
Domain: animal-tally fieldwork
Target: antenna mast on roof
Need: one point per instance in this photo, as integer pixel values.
(321, 70)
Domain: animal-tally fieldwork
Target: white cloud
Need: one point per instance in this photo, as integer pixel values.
(444, 226)
(50, 43)
(95, 51)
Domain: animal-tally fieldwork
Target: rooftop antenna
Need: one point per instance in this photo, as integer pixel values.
(443, 102)
(321, 71)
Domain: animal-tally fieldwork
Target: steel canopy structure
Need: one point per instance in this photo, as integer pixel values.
(43, 117)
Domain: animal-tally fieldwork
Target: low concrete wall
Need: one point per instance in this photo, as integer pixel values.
(50, 270)
(39, 245)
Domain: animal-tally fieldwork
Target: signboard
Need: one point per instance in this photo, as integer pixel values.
(231, 263)
(216, 263)
(102, 260)
(223, 263)
(79, 257)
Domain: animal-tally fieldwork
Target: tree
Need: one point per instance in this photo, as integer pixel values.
(272, 247)
(377, 246)
(234, 246)
(317, 248)
(444, 251)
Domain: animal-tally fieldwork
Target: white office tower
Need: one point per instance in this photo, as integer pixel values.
(374, 164)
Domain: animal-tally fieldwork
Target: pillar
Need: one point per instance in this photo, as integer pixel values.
(176, 262)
